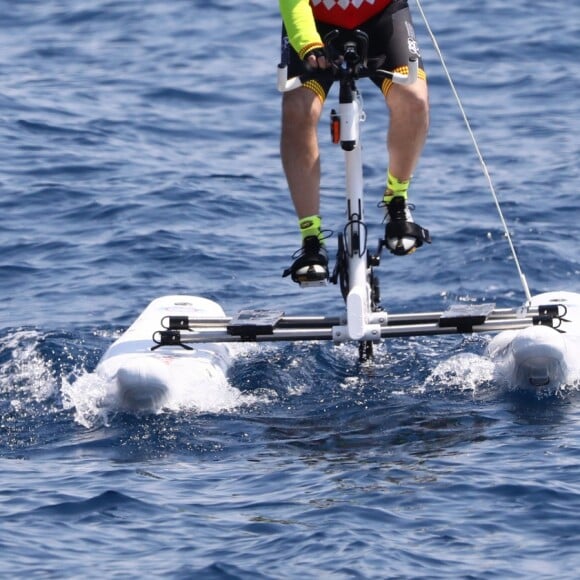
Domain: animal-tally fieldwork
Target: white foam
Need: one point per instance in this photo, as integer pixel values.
(90, 397)
(26, 372)
(463, 372)
(95, 400)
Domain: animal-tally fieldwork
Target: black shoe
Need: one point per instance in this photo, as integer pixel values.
(402, 235)
(311, 264)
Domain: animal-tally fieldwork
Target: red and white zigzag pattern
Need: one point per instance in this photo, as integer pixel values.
(344, 4)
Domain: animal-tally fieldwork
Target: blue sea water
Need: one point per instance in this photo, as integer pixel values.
(139, 157)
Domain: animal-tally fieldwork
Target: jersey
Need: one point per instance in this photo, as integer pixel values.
(300, 18)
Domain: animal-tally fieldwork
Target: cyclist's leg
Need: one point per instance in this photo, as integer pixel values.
(299, 151)
(408, 104)
(301, 110)
(390, 34)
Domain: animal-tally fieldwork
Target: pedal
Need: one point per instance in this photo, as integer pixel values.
(312, 279)
(313, 283)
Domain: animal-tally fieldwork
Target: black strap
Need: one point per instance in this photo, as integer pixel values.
(400, 229)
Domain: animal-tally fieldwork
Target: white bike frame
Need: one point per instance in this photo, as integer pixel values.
(363, 322)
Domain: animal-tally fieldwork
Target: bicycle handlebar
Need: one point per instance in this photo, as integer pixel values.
(285, 84)
(349, 63)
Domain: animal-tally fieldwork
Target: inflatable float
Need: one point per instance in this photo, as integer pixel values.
(145, 378)
(540, 356)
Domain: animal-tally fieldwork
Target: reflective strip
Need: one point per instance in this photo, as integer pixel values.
(388, 83)
(316, 88)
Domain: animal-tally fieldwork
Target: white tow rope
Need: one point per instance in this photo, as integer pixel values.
(478, 152)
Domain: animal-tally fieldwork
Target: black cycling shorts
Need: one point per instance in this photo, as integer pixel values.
(389, 33)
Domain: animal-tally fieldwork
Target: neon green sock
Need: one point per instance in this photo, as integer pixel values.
(395, 188)
(311, 226)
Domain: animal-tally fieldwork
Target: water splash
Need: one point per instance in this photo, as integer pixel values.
(90, 398)
(24, 372)
(464, 372)
(94, 400)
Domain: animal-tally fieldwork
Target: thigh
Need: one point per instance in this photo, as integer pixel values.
(301, 108)
(390, 34)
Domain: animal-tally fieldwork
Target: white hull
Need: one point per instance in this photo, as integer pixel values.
(146, 380)
(540, 356)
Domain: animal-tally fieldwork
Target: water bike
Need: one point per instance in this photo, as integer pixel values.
(179, 336)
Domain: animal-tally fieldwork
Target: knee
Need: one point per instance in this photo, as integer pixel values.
(419, 103)
(410, 100)
(300, 108)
